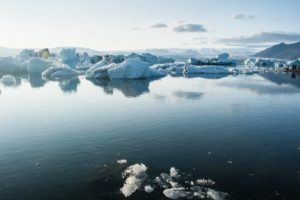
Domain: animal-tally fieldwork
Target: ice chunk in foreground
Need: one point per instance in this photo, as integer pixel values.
(136, 175)
(193, 69)
(38, 65)
(8, 80)
(148, 189)
(59, 72)
(175, 193)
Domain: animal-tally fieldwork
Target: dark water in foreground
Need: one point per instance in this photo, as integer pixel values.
(61, 140)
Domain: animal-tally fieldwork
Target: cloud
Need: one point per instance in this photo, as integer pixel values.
(241, 16)
(261, 39)
(159, 25)
(186, 28)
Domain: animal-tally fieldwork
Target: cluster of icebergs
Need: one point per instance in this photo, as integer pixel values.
(173, 184)
(68, 63)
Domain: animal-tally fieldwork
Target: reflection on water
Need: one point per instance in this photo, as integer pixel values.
(130, 88)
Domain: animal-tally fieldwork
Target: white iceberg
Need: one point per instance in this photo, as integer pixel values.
(135, 176)
(8, 80)
(193, 69)
(38, 65)
(130, 69)
(133, 68)
(59, 72)
(69, 57)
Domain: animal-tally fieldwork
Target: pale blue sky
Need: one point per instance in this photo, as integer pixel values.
(126, 24)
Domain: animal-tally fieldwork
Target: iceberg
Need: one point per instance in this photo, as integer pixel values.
(133, 68)
(38, 65)
(192, 69)
(59, 72)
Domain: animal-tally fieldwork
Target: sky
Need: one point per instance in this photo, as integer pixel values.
(137, 24)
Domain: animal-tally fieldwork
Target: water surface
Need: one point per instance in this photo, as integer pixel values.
(61, 140)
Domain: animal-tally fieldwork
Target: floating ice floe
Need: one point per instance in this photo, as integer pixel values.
(193, 69)
(59, 72)
(135, 176)
(8, 80)
(121, 162)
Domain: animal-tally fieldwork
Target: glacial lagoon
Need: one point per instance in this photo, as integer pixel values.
(62, 139)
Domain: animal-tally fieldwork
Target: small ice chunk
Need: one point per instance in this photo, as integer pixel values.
(216, 195)
(175, 193)
(230, 162)
(205, 182)
(148, 188)
(173, 172)
(121, 162)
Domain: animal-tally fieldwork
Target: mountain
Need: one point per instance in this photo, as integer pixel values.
(281, 51)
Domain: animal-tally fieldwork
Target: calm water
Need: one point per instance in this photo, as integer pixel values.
(61, 140)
